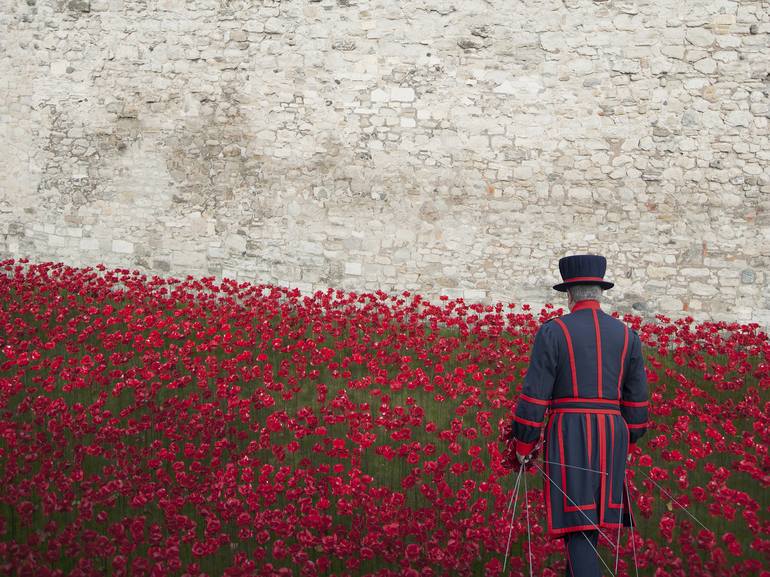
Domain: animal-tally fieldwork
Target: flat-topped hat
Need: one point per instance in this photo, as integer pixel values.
(582, 269)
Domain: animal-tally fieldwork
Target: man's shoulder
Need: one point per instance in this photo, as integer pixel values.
(578, 321)
(620, 326)
(549, 327)
(548, 323)
(615, 319)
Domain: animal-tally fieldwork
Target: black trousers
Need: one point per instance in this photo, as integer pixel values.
(582, 559)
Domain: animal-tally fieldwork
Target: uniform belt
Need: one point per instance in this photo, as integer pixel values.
(585, 405)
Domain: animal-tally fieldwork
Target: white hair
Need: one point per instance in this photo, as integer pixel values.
(581, 292)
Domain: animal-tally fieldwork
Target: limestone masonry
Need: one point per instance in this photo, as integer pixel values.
(445, 147)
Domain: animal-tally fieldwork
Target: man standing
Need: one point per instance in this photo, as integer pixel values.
(587, 369)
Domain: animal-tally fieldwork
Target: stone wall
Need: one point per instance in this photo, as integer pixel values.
(448, 147)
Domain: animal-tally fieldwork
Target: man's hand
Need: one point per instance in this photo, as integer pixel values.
(526, 461)
(514, 460)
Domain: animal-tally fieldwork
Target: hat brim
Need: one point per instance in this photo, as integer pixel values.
(562, 287)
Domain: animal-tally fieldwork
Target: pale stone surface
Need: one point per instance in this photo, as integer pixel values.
(353, 268)
(402, 94)
(120, 246)
(396, 146)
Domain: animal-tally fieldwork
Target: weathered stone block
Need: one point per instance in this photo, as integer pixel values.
(122, 246)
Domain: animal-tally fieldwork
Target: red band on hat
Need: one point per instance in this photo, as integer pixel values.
(582, 278)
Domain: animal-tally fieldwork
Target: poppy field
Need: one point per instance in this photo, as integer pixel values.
(193, 427)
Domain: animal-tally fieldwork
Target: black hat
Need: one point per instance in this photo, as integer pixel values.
(582, 269)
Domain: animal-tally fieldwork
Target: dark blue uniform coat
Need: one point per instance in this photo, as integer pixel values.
(586, 373)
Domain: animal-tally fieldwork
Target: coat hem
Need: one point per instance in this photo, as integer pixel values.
(555, 533)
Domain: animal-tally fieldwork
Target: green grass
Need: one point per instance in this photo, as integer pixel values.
(386, 473)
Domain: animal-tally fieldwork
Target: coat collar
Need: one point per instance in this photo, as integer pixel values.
(585, 304)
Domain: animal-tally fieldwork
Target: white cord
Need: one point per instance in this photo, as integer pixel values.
(515, 492)
(633, 541)
(620, 526)
(597, 554)
(529, 538)
(576, 467)
(594, 525)
(675, 501)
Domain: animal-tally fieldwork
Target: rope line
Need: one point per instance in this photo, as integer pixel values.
(513, 514)
(594, 525)
(597, 554)
(633, 540)
(675, 501)
(529, 537)
(515, 491)
(576, 467)
(620, 526)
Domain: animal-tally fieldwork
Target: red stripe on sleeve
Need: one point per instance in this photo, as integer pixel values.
(622, 360)
(523, 448)
(635, 403)
(526, 422)
(637, 426)
(533, 400)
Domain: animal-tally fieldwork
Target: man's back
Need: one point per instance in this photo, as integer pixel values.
(586, 354)
(595, 346)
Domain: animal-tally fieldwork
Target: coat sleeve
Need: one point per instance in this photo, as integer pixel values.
(635, 393)
(536, 390)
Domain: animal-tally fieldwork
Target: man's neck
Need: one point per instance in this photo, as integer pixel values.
(585, 304)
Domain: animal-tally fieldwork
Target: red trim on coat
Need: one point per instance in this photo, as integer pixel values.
(588, 431)
(526, 422)
(602, 465)
(571, 356)
(634, 403)
(573, 528)
(533, 400)
(598, 354)
(523, 448)
(637, 426)
(548, 510)
(580, 410)
(623, 360)
(610, 504)
(585, 304)
(557, 400)
(567, 507)
(561, 459)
